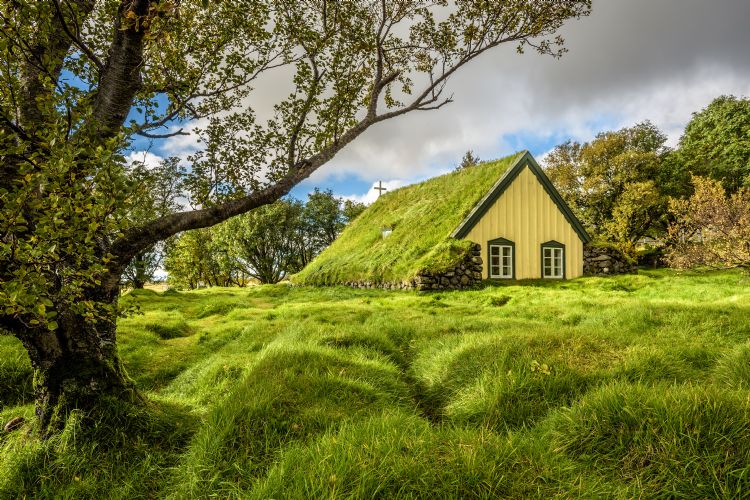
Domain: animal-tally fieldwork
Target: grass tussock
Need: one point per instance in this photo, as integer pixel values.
(633, 386)
(168, 325)
(15, 374)
(401, 456)
(683, 441)
(733, 368)
(290, 395)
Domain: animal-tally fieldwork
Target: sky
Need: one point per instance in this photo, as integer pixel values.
(631, 60)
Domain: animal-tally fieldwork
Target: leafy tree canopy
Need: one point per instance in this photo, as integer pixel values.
(716, 142)
(200, 258)
(617, 183)
(155, 190)
(266, 244)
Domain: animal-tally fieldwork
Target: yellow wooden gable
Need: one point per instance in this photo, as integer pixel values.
(525, 229)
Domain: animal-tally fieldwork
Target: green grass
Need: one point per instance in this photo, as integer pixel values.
(624, 387)
(422, 217)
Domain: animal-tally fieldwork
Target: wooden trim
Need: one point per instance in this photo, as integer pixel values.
(501, 242)
(553, 244)
(526, 159)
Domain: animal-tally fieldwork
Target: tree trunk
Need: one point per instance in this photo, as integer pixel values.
(138, 283)
(75, 367)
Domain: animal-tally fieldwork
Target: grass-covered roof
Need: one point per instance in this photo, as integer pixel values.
(422, 217)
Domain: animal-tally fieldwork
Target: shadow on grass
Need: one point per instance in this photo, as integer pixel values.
(117, 450)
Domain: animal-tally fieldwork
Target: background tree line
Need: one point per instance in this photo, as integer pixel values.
(627, 185)
(264, 245)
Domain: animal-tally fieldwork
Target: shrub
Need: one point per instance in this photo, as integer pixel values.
(651, 256)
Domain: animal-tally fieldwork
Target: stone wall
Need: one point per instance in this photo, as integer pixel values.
(465, 275)
(605, 261)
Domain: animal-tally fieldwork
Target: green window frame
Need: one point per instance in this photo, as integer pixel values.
(553, 260)
(501, 259)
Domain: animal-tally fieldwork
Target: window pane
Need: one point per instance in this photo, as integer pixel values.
(552, 263)
(501, 261)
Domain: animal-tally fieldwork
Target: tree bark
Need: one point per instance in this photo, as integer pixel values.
(76, 366)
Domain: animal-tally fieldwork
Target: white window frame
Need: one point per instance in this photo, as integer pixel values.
(501, 266)
(553, 260)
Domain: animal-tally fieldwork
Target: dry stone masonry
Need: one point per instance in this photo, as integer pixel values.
(605, 261)
(465, 275)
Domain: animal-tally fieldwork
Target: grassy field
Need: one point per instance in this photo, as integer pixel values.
(634, 386)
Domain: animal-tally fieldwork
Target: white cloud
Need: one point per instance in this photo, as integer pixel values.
(182, 146)
(630, 61)
(372, 194)
(149, 159)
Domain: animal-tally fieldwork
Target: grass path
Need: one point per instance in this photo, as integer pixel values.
(634, 386)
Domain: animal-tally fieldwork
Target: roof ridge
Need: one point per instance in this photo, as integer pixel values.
(499, 187)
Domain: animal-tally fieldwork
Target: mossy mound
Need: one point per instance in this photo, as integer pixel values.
(421, 216)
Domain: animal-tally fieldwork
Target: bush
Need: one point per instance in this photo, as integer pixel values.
(624, 251)
(651, 256)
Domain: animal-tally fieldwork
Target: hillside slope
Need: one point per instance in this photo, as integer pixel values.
(422, 217)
